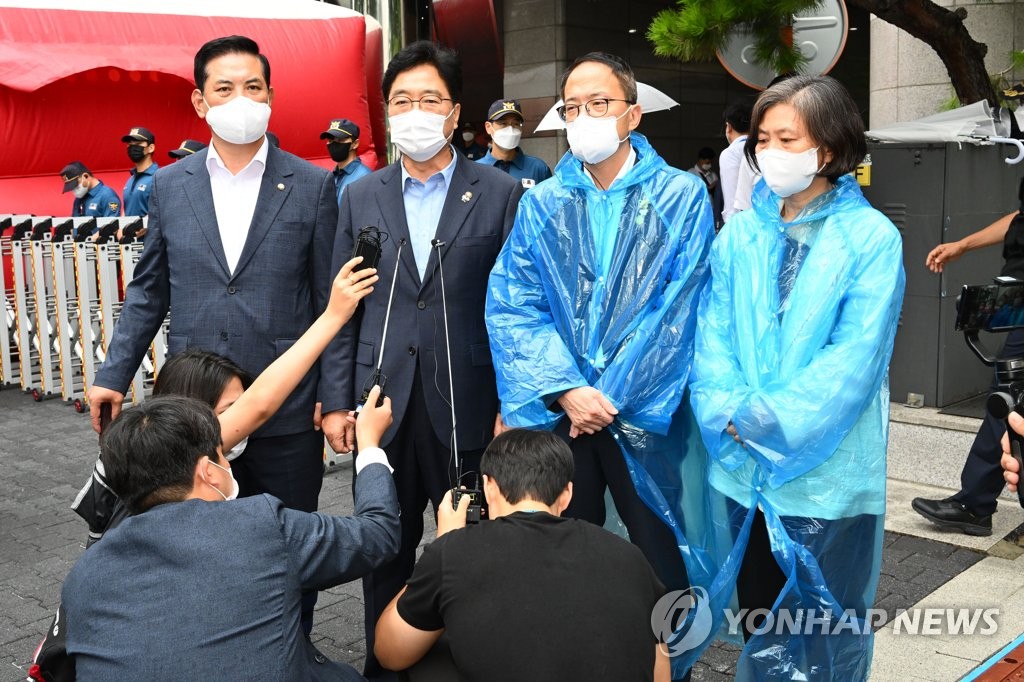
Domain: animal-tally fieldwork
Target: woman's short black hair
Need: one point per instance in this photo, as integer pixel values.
(218, 47)
(446, 61)
(528, 464)
(198, 374)
(829, 114)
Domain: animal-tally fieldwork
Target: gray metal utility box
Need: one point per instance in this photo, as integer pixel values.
(934, 193)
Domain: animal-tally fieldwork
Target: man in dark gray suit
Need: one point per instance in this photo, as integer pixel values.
(192, 586)
(239, 249)
(453, 216)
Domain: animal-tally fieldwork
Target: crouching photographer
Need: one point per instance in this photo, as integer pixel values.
(528, 595)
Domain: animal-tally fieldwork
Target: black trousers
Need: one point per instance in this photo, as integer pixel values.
(424, 471)
(599, 464)
(291, 468)
(981, 480)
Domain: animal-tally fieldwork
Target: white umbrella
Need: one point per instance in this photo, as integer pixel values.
(649, 98)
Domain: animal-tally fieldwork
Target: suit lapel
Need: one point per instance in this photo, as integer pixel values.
(462, 196)
(274, 190)
(200, 197)
(391, 203)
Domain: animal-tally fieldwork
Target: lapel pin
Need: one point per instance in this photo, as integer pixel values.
(280, 185)
(466, 197)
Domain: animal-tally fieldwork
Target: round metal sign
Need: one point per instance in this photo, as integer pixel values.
(819, 33)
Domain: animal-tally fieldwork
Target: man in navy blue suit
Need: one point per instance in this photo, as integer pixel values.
(239, 250)
(453, 216)
(194, 586)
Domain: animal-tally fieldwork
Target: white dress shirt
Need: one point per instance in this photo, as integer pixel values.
(234, 199)
(738, 178)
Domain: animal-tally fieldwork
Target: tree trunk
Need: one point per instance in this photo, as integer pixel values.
(944, 31)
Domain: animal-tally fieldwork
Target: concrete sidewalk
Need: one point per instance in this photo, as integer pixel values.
(47, 452)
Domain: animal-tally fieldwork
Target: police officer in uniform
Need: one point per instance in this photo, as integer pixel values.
(342, 137)
(92, 197)
(505, 126)
(186, 148)
(140, 146)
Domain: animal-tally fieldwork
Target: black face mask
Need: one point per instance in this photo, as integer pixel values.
(339, 150)
(136, 153)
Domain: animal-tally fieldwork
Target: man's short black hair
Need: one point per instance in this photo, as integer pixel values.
(150, 451)
(706, 153)
(619, 66)
(528, 464)
(737, 115)
(218, 47)
(446, 61)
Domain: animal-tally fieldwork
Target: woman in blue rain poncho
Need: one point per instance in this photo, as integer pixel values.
(790, 389)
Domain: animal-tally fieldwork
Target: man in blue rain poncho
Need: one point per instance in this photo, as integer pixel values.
(790, 390)
(591, 310)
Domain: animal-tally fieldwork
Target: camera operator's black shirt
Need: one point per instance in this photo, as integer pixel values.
(531, 596)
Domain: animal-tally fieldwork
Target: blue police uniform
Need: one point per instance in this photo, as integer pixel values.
(527, 169)
(137, 189)
(348, 175)
(99, 202)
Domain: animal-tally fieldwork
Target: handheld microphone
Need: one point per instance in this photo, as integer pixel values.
(368, 245)
(475, 510)
(377, 378)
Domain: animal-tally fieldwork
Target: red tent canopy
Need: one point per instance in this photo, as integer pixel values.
(73, 81)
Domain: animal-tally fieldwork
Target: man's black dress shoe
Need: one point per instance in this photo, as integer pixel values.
(949, 513)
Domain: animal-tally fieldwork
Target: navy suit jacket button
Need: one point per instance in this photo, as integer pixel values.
(412, 350)
(224, 336)
(231, 290)
(421, 305)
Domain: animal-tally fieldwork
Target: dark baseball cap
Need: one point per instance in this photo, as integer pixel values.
(186, 148)
(71, 173)
(501, 107)
(341, 127)
(139, 135)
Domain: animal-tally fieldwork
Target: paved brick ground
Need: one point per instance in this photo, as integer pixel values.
(47, 452)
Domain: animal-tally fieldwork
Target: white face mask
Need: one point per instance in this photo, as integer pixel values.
(468, 136)
(788, 173)
(594, 139)
(507, 137)
(419, 134)
(240, 120)
(236, 452)
(234, 483)
(80, 191)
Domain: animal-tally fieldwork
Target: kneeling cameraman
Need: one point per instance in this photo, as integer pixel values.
(528, 595)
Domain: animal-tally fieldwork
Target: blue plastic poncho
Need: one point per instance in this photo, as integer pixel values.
(793, 345)
(600, 289)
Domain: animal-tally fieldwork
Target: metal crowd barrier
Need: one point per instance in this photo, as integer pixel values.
(64, 296)
(61, 302)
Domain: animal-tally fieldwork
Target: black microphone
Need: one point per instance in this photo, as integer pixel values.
(437, 243)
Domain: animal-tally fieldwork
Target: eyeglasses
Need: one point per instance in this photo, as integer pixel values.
(402, 103)
(595, 108)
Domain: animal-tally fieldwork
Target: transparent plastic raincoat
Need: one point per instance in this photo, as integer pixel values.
(600, 289)
(794, 338)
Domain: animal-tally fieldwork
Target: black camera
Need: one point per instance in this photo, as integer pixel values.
(476, 499)
(995, 308)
